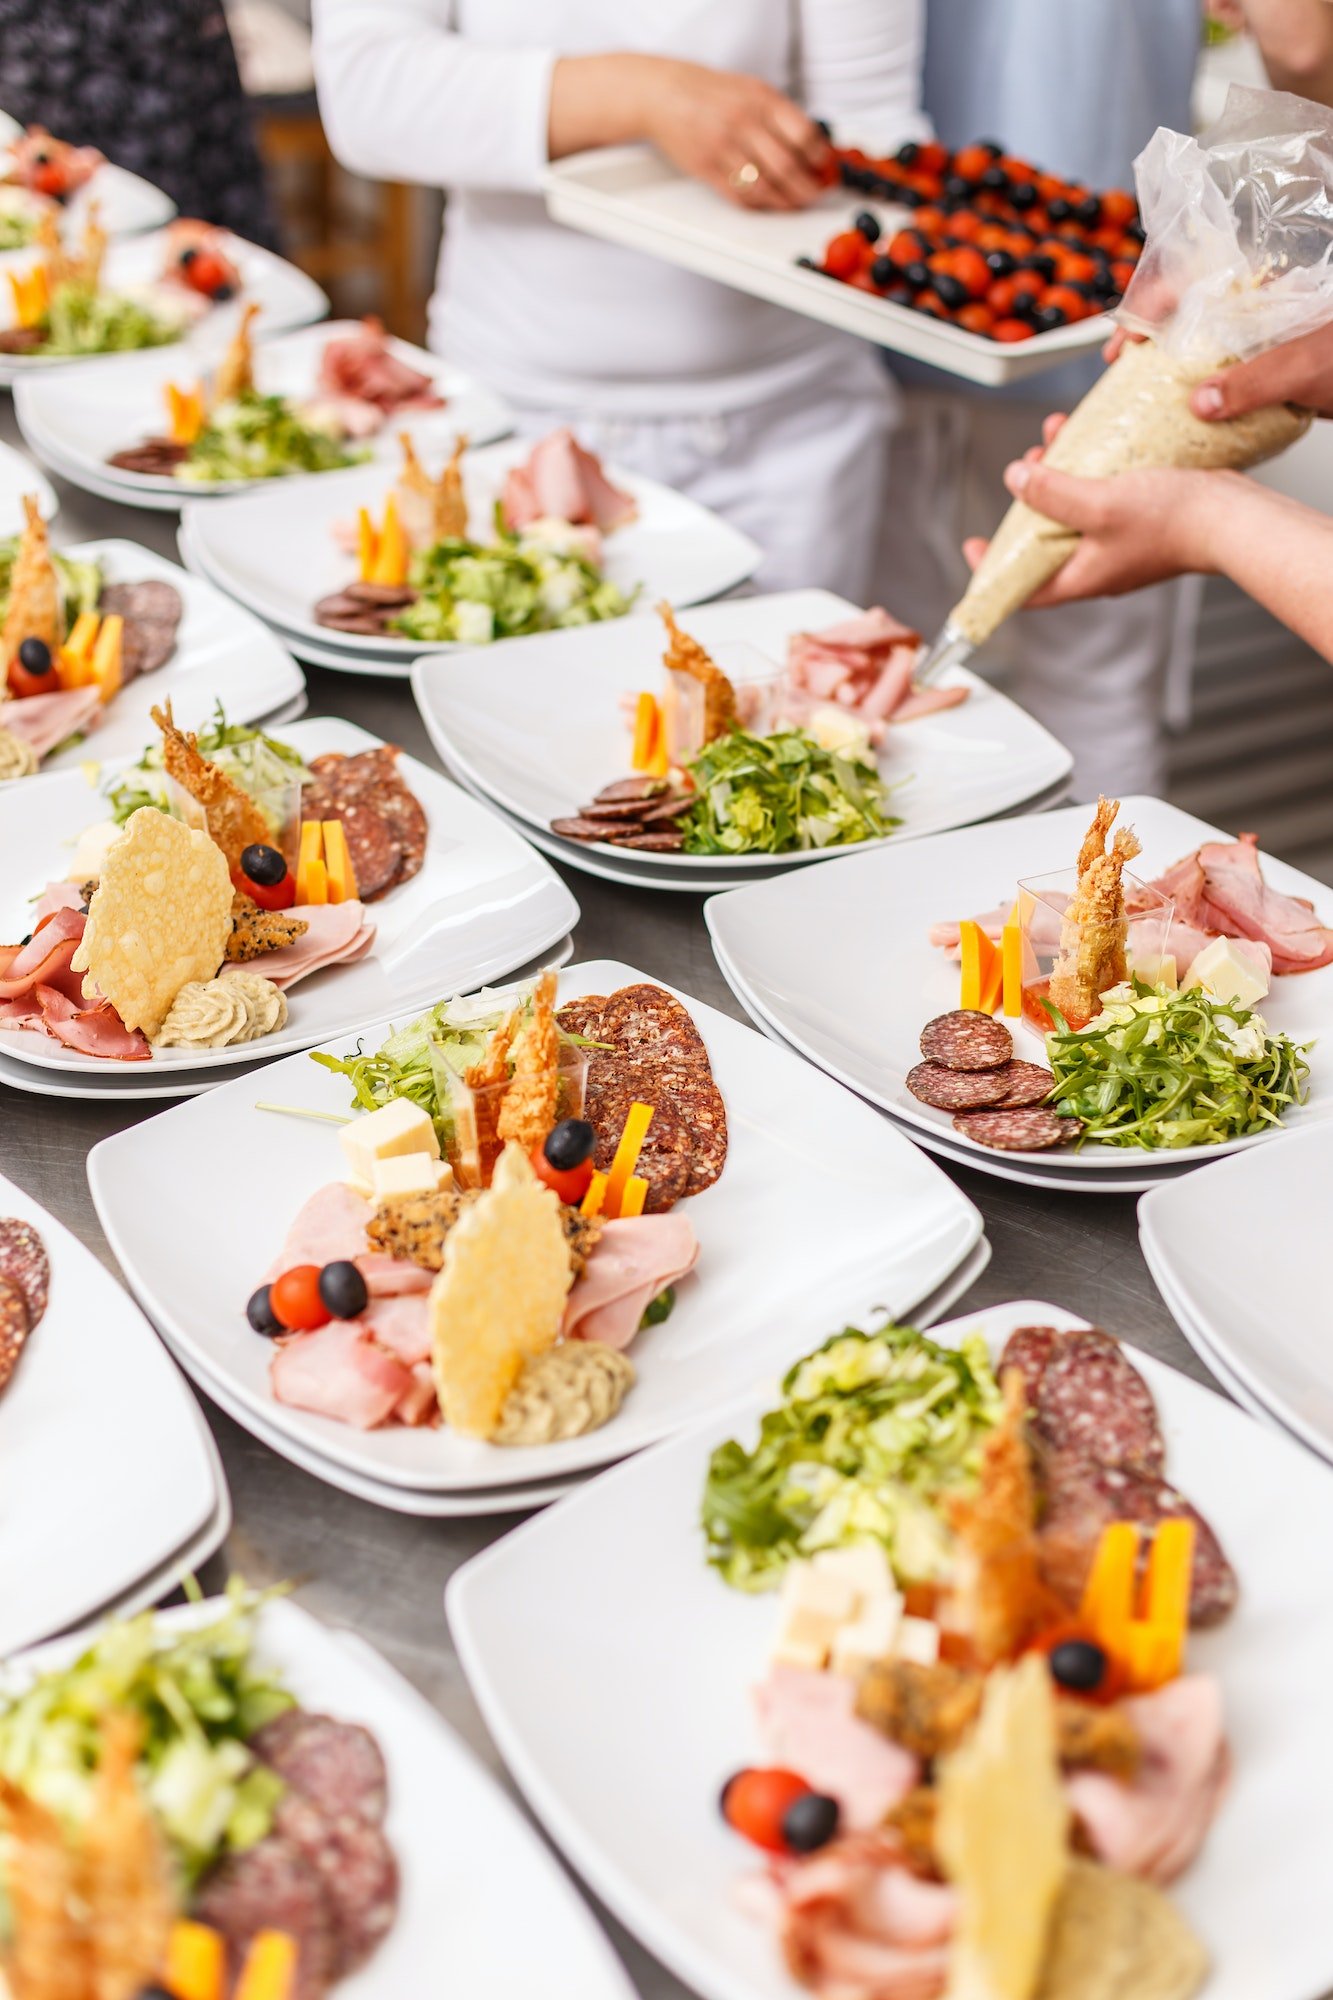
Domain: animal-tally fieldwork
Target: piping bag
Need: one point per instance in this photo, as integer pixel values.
(1238, 259)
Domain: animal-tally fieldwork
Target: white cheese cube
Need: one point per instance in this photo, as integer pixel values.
(805, 1588)
(841, 734)
(864, 1567)
(870, 1638)
(918, 1640)
(408, 1173)
(803, 1640)
(1231, 969)
(396, 1128)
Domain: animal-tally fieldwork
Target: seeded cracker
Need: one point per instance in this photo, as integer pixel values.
(161, 918)
(500, 1295)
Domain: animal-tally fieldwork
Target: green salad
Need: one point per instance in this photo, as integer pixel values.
(873, 1431)
(261, 437)
(80, 582)
(474, 593)
(82, 321)
(18, 219)
(199, 1696)
(781, 794)
(261, 765)
(1164, 1070)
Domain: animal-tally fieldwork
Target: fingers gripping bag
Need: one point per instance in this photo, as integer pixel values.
(1238, 258)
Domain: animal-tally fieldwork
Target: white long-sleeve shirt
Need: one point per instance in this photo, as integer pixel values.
(455, 94)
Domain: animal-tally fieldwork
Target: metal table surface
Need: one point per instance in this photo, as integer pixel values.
(384, 1574)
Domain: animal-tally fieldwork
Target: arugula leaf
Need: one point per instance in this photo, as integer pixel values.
(781, 794)
(261, 437)
(474, 592)
(259, 764)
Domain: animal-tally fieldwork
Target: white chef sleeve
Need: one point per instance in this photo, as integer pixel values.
(404, 97)
(860, 69)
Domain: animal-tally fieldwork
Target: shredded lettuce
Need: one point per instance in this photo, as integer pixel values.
(1164, 1070)
(82, 321)
(475, 593)
(402, 1066)
(781, 794)
(873, 1431)
(259, 764)
(261, 437)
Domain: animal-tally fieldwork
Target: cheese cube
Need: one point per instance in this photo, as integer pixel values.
(396, 1128)
(806, 1588)
(865, 1567)
(918, 1640)
(408, 1173)
(869, 1639)
(803, 1641)
(1230, 969)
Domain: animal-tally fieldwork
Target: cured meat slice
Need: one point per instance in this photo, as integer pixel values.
(1081, 1497)
(154, 599)
(1091, 1399)
(646, 1020)
(631, 788)
(966, 1039)
(338, 1766)
(1022, 1130)
(957, 1089)
(1028, 1083)
(273, 1887)
(664, 1158)
(155, 458)
(649, 840)
(371, 778)
(376, 856)
(1028, 1349)
(25, 1265)
(579, 828)
(14, 1328)
(392, 595)
(583, 1017)
(356, 1865)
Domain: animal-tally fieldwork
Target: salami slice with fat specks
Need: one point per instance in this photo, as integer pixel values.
(25, 1265)
(1081, 1497)
(1030, 1129)
(1029, 1349)
(273, 1887)
(664, 1158)
(338, 1766)
(956, 1089)
(646, 1020)
(370, 778)
(14, 1328)
(377, 858)
(966, 1040)
(1027, 1083)
(1091, 1398)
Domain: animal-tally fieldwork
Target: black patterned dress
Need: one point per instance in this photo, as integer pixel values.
(154, 84)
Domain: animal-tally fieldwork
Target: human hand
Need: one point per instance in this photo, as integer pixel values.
(741, 136)
(1300, 371)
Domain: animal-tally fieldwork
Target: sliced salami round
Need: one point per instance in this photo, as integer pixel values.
(1029, 1349)
(583, 1017)
(966, 1040)
(376, 855)
(273, 1887)
(579, 828)
(357, 1867)
(1029, 1129)
(338, 1766)
(1091, 1398)
(646, 1020)
(631, 788)
(146, 644)
(155, 600)
(14, 1328)
(648, 839)
(391, 595)
(1081, 1497)
(25, 1264)
(665, 1158)
(1028, 1083)
(956, 1089)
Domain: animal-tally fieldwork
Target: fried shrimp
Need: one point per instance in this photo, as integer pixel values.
(127, 1883)
(431, 510)
(34, 590)
(1093, 933)
(528, 1111)
(1000, 1590)
(49, 1956)
(685, 655)
(236, 370)
(234, 820)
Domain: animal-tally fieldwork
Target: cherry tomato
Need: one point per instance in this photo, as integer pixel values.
(1074, 267)
(971, 162)
(906, 247)
(1011, 330)
(969, 267)
(966, 227)
(568, 1185)
(1122, 271)
(931, 302)
(271, 895)
(206, 272)
(754, 1802)
(49, 179)
(1071, 303)
(295, 1300)
(861, 281)
(21, 682)
(976, 317)
(933, 222)
(1006, 294)
(931, 157)
(1119, 206)
(929, 186)
(846, 253)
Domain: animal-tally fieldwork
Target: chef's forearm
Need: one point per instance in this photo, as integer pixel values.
(601, 101)
(1295, 39)
(1277, 550)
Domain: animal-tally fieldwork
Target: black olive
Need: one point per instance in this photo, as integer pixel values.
(993, 147)
(823, 128)
(221, 293)
(1024, 305)
(343, 1289)
(885, 187)
(951, 290)
(1047, 318)
(916, 275)
(1136, 232)
(1058, 209)
(1079, 1665)
(1000, 262)
(41, 159)
(883, 271)
(569, 1144)
(810, 1822)
(259, 1311)
(154, 1992)
(807, 263)
(188, 255)
(1023, 195)
(35, 656)
(1089, 211)
(957, 185)
(263, 865)
(867, 225)
(996, 179)
(1088, 292)
(908, 153)
(1039, 262)
(899, 295)
(909, 197)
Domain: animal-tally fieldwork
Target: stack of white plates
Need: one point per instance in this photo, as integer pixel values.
(822, 1210)
(539, 737)
(1237, 1251)
(126, 204)
(99, 1512)
(280, 548)
(75, 422)
(838, 965)
(482, 906)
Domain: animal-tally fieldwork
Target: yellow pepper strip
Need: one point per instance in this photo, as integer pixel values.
(196, 1967)
(1167, 1610)
(270, 1968)
(595, 1196)
(1011, 959)
(392, 555)
(627, 1154)
(367, 545)
(1108, 1595)
(647, 728)
(635, 1195)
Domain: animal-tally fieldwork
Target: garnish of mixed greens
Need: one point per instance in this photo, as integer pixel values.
(82, 321)
(261, 765)
(261, 437)
(1165, 1070)
(473, 592)
(873, 1431)
(199, 1695)
(18, 218)
(781, 794)
(80, 582)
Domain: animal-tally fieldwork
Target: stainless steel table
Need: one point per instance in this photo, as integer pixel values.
(384, 1574)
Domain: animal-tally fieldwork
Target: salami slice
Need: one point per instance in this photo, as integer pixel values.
(966, 1040)
(579, 828)
(631, 788)
(371, 778)
(1091, 1398)
(155, 458)
(25, 1264)
(1081, 1497)
(273, 1887)
(376, 855)
(1028, 1083)
(628, 811)
(393, 596)
(338, 1766)
(14, 1328)
(583, 1017)
(356, 1864)
(158, 602)
(1029, 1349)
(646, 1020)
(956, 1089)
(1029, 1129)
(649, 840)
(665, 1156)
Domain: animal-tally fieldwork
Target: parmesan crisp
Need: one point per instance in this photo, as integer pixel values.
(161, 917)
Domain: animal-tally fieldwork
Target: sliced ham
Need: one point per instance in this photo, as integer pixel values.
(864, 664)
(1155, 1825)
(329, 1227)
(339, 1372)
(419, 1404)
(561, 481)
(388, 1277)
(1219, 891)
(45, 959)
(93, 1029)
(56, 896)
(855, 1924)
(632, 1261)
(361, 367)
(400, 1324)
(44, 720)
(808, 1724)
(336, 934)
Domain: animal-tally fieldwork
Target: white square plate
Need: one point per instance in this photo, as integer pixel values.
(467, 1858)
(104, 1471)
(624, 1765)
(546, 730)
(1262, 1302)
(18, 475)
(820, 1201)
(222, 654)
(483, 904)
(79, 421)
(285, 295)
(126, 203)
(274, 550)
(840, 962)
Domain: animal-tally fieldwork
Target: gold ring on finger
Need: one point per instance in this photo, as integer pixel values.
(746, 176)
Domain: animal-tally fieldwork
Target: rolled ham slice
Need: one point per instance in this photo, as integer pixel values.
(331, 1227)
(45, 959)
(57, 896)
(855, 1924)
(632, 1261)
(400, 1324)
(44, 720)
(808, 1724)
(1155, 1825)
(562, 482)
(338, 1371)
(336, 934)
(95, 1030)
(864, 664)
(360, 367)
